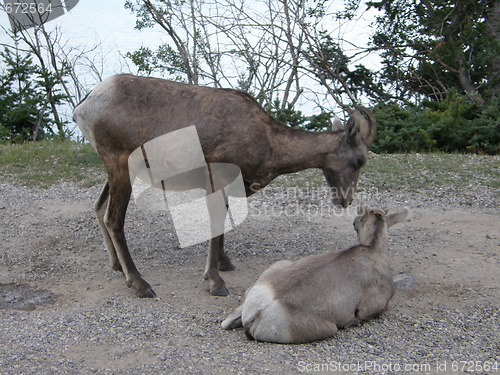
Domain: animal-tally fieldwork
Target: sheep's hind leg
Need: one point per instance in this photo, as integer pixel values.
(100, 207)
(114, 221)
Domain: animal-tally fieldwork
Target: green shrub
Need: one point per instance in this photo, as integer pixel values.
(401, 130)
(453, 125)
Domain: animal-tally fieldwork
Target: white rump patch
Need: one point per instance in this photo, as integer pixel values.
(267, 318)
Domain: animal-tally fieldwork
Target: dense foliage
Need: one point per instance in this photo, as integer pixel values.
(441, 59)
(453, 125)
(429, 47)
(25, 107)
(439, 86)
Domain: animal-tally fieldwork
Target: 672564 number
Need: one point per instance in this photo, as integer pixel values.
(28, 8)
(474, 366)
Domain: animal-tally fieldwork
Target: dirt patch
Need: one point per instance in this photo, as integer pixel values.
(445, 310)
(23, 297)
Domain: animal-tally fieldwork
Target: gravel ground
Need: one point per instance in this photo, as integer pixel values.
(64, 311)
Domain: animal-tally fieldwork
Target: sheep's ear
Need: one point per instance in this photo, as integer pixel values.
(361, 126)
(396, 217)
(337, 126)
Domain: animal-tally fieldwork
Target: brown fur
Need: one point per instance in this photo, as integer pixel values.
(125, 111)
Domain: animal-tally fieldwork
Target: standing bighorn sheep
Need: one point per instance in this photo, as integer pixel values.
(311, 298)
(124, 112)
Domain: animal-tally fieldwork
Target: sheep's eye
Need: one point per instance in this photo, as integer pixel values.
(358, 162)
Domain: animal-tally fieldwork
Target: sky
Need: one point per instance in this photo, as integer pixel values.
(96, 22)
(93, 22)
(110, 26)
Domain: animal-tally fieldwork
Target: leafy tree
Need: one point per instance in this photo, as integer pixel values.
(17, 113)
(437, 90)
(25, 112)
(431, 46)
(273, 50)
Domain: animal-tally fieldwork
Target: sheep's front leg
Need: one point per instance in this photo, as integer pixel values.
(216, 283)
(217, 209)
(225, 263)
(375, 302)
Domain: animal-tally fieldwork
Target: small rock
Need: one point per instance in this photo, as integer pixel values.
(405, 281)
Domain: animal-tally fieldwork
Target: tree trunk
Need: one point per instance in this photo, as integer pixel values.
(463, 70)
(493, 23)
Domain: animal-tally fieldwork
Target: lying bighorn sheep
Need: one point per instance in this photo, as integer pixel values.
(311, 298)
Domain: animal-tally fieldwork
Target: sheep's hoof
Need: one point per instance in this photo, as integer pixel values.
(220, 292)
(147, 294)
(227, 267)
(141, 287)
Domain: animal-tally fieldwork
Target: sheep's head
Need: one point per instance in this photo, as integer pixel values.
(342, 167)
(369, 222)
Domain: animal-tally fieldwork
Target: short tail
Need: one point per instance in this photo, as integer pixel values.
(80, 102)
(233, 320)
